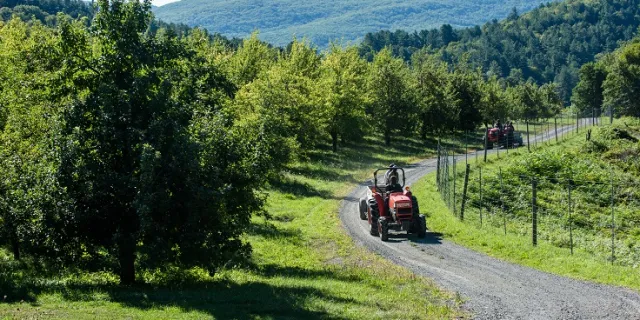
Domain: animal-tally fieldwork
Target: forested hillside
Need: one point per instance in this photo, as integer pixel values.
(547, 44)
(46, 11)
(323, 21)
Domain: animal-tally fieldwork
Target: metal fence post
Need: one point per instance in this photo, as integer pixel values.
(486, 143)
(528, 143)
(481, 203)
(438, 168)
(454, 183)
(504, 215)
(464, 192)
(613, 222)
(534, 206)
(555, 121)
(570, 221)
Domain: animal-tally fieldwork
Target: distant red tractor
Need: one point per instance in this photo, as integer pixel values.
(392, 207)
(503, 137)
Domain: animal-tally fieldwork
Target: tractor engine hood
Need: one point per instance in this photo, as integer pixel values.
(399, 200)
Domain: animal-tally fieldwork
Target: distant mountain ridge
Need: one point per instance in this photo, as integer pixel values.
(322, 21)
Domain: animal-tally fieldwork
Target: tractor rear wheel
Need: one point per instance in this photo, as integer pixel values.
(384, 229)
(363, 209)
(375, 215)
(422, 226)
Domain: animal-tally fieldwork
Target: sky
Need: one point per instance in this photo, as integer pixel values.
(162, 2)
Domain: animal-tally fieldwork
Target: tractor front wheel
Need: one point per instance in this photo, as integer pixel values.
(384, 229)
(374, 213)
(363, 209)
(422, 226)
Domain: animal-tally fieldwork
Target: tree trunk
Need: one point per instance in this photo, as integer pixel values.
(15, 245)
(423, 130)
(334, 139)
(387, 138)
(127, 251)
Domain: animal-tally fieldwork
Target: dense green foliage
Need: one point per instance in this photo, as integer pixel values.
(129, 147)
(113, 138)
(323, 22)
(610, 85)
(548, 44)
(46, 11)
(43, 10)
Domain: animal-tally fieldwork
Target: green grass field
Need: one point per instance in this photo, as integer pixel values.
(551, 255)
(304, 265)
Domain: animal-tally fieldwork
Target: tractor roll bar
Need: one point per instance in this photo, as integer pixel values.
(375, 176)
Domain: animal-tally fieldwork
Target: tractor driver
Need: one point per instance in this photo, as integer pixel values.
(391, 180)
(392, 172)
(393, 185)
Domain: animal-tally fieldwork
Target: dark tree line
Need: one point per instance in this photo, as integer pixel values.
(548, 44)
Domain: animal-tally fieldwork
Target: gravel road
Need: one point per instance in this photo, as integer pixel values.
(491, 288)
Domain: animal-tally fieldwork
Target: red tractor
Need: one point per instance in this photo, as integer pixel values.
(392, 207)
(503, 137)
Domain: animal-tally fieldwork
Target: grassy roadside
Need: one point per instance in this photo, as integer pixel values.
(304, 264)
(516, 245)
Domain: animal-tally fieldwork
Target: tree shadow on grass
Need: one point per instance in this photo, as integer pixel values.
(322, 174)
(220, 299)
(270, 231)
(298, 189)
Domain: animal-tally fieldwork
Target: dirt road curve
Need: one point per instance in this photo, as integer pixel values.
(492, 289)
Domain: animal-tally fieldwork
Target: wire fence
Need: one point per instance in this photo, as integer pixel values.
(599, 217)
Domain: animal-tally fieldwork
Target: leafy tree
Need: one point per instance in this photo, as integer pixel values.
(149, 157)
(527, 99)
(435, 95)
(551, 102)
(393, 100)
(622, 83)
(495, 104)
(467, 92)
(342, 94)
(588, 95)
(251, 59)
(280, 102)
(31, 199)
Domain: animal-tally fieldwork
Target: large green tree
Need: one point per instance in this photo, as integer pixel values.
(342, 94)
(150, 157)
(393, 99)
(621, 88)
(588, 95)
(435, 95)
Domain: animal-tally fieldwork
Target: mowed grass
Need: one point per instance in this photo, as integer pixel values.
(304, 265)
(518, 248)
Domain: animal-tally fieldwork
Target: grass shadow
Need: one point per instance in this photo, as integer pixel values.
(270, 231)
(297, 188)
(221, 299)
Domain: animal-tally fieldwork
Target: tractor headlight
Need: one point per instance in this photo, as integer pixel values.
(403, 205)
